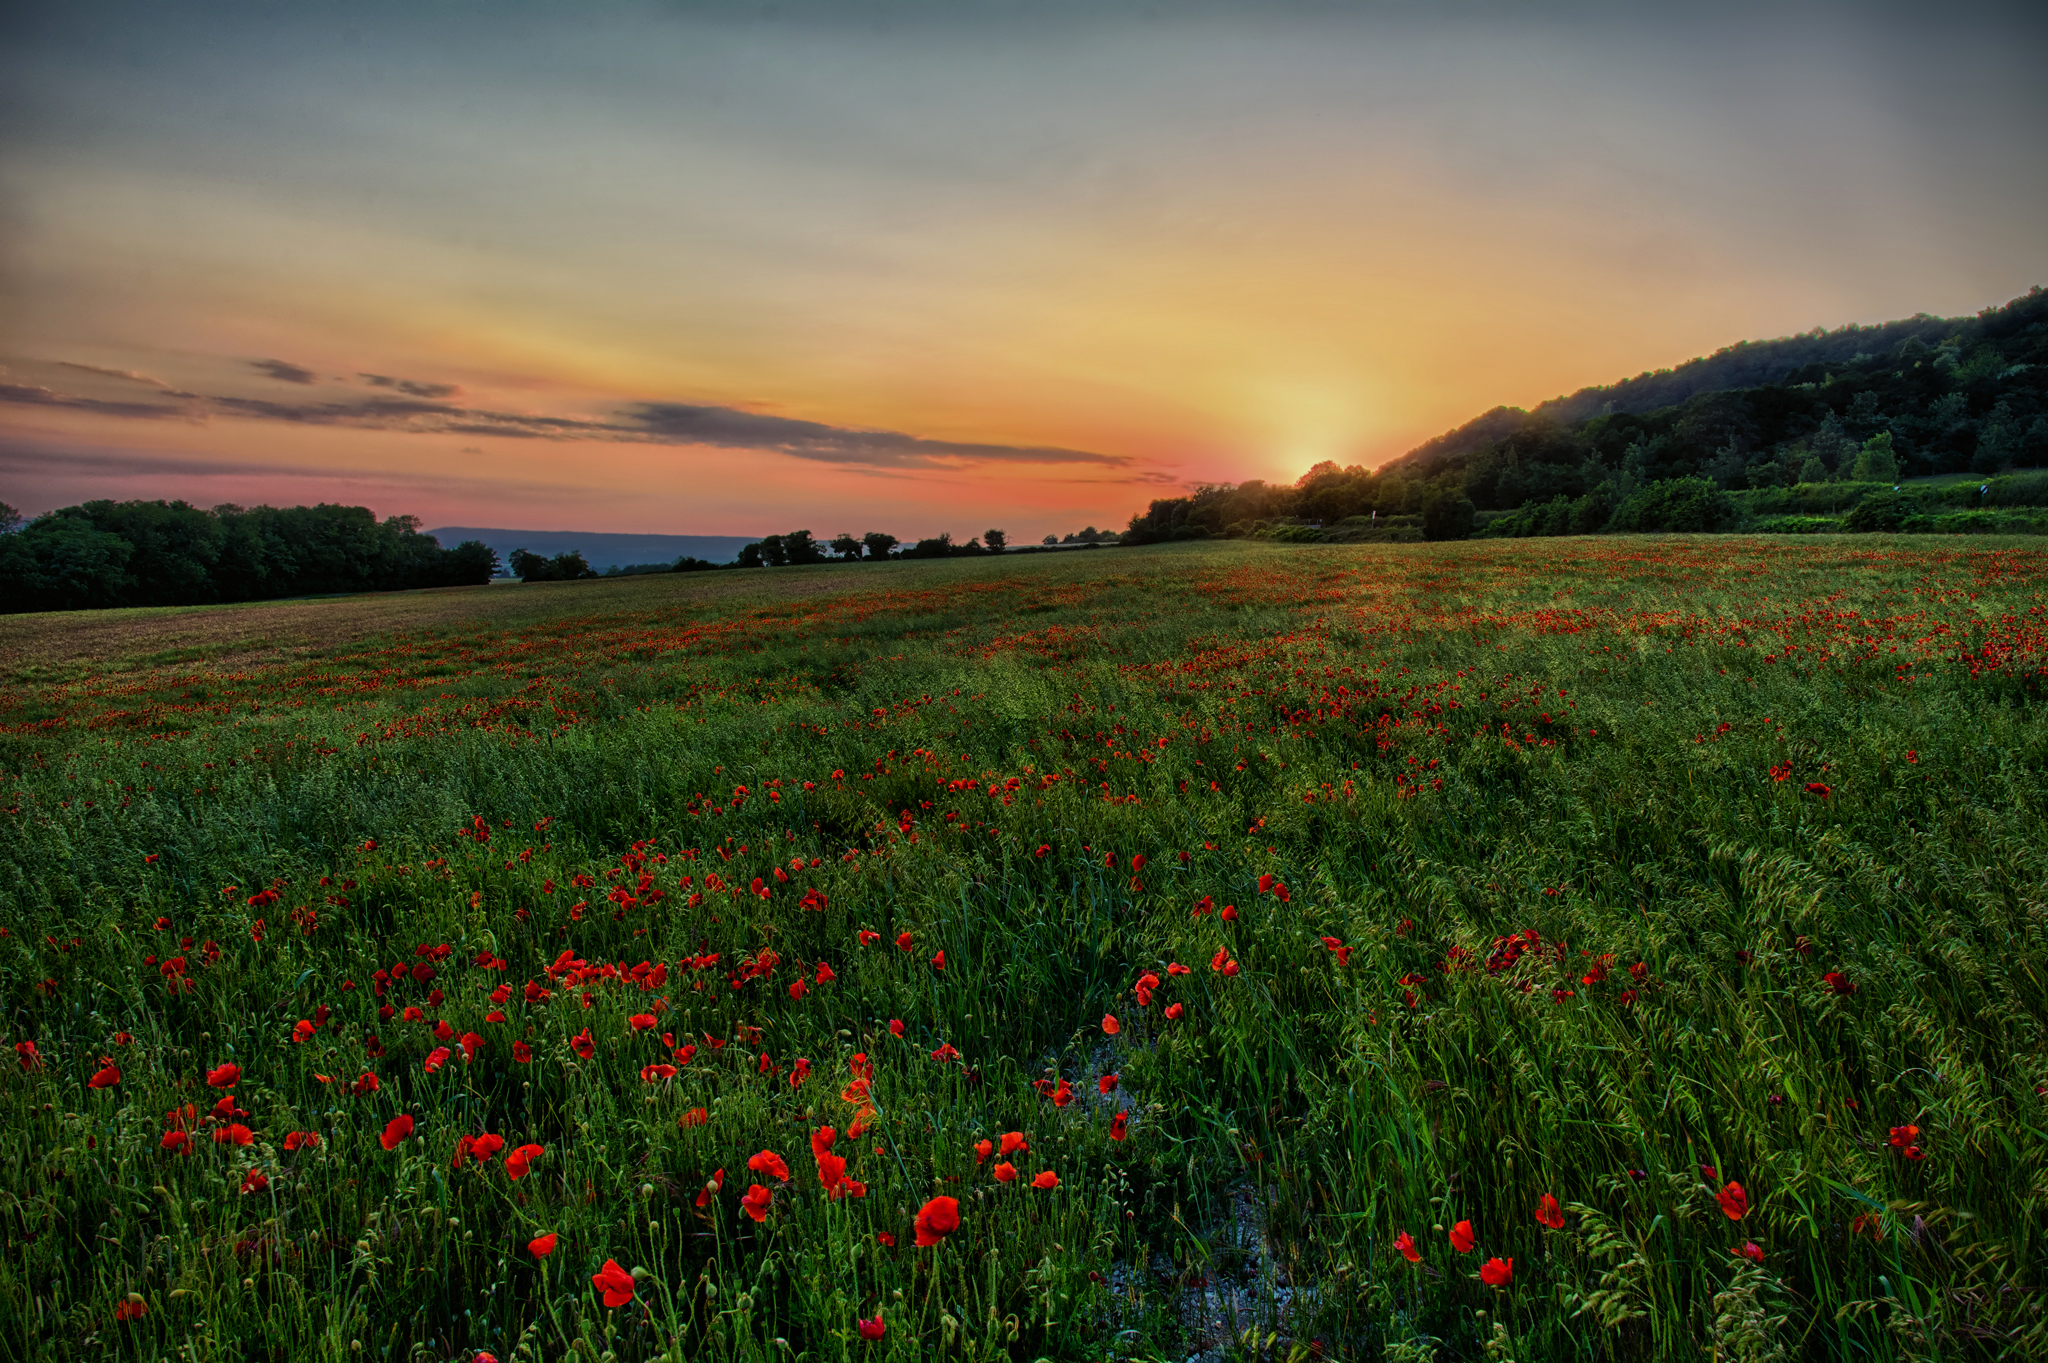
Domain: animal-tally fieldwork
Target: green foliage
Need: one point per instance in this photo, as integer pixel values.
(1655, 865)
(1677, 504)
(568, 566)
(1886, 509)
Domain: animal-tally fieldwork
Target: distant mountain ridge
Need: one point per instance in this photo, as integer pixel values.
(600, 549)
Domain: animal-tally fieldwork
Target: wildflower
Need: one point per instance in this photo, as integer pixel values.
(302, 1031)
(1043, 848)
(437, 1057)
(936, 1220)
(826, 974)
(1116, 1126)
(1013, 1141)
(1838, 984)
(1406, 1244)
(1174, 1010)
(301, 1140)
(755, 1202)
(255, 1181)
(614, 1282)
(868, 939)
(871, 1330)
(884, 1239)
(583, 1045)
(768, 1162)
(1047, 1179)
(519, 1161)
(799, 1072)
(797, 990)
(396, 1130)
(895, 1026)
(1818, 788)
(1337, 947)
(1063, 1095)
(1734, 1202)
(696, 1116)
(1005, 1172)
(106, 1077)
(132, 1307)
(236, 1134)
(1750, 1251)
(1110, 1025)
(939, 961)
(1462, 1239)
(904, 941)
(221, 1076)
(541, 1246)
(177, 1142)
(641, 1022)
(522, 1053)
(945, 1054)
(1106, 1084)
(1549, 1213)
(1176, 968)
(1497, 1272)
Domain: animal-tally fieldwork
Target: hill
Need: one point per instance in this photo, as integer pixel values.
(600, 550)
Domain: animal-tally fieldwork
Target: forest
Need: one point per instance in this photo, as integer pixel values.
(1802, 428)
(141, 553)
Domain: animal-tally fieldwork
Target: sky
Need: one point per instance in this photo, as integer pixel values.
(744, 268)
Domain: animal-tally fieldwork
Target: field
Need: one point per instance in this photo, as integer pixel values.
(1551, 949)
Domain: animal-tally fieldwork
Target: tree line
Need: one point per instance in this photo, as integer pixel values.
(140, 553)
(1686, 449)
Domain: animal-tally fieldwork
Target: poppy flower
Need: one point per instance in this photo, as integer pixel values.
(939, 961)
(485, 1146)
(1838, 984)
(1013, 1141)
(134, 1309)
(1116, 1126)
(1734, 1202)
(1406, 1244)
(254, 1182)
(641, 1022)
(301, 1140)
(1047, 1179)
(712, 1187)
(904, 941)
(396, 1130)
(614, 1282)
(517, 1163)
(654, 1073)
(234, 1134)
(106, 1077)
(1110, 1026)
(826, 974)
(822, 1140)
(1176, 968)
(1750, 1251)
(982, 1150)
(1229, 914)
(831, 1172)
(1462, 1238)
(1497, 1272)
(936, 1220)
(1063, 1095)
(871, 1330)
(755, 1202)
(768, 1162)
(177, 1142)
(541, 1246)
(583, 1045)
(1549, 1213)
(470, 1041)
(522, 1053)
(302, 1031)
(224, 1076)
(1043, 848)
(1230, 967)
(1004, 1172)
(696, 1116)
(1818, 788)
(1106, 1084)
(945, 1054)
(868, 939)
(436, 1058)
(884, 1239)
(797, 990)
(1174, 1010)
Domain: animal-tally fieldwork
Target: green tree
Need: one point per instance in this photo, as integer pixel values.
(1448, 515)
(996, 541)
(845, 545)
(878, 543)
(1876, 462)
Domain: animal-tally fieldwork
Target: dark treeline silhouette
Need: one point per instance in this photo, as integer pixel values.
(109, 553)
(1804, 427)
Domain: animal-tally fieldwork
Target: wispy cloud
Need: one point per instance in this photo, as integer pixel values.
(424, 411)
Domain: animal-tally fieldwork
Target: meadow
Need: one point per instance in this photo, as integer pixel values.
(1619, 948)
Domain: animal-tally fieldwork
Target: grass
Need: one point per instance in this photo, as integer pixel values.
(1610, 870)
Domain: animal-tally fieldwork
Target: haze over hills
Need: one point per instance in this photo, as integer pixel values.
(601, 550)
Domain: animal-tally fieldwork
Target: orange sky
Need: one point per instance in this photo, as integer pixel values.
(900, 267)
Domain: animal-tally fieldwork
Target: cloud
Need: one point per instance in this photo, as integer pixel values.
(731, 428)
(129, 374)
(412, 386)
(423, 412)
(284, 372)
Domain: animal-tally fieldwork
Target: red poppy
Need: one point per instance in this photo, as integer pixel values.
(1750, 1251)
(301, 1140)
(177, 1142)
(1063, 1095)
(224, 1076)
(641, 1022)
(233, 1134)
(1818, 788)
(396, 1130)
(131, 1310)
(904, 941)
(614, 1282)
(541, 1246)
(1043, 848)
(1005, 1172)
(485, 1146)
(254, 1182)
(768, 1162)
(868, 939)
(826, 974)
(755, 1202)
(522, 1053)
(982, 1150)
(1110, 1025)
(1549, 1213)
(797, 990)
(518, 1162)
(939, 961)
(302, 1031)
(895, 1026)
(1462, 1238)
(936, 1220)
(712, 1187)
(696, 1116)
(871, 1330)
(1174, 1010)
(1734, 1202)
(654, 1073)
(583, 1045)
(1837, 983)
(436, 1058)
(1106, 1084)
(885, 1239)
(1013, 1141)
(1047, 1179)
(1406, 1244)
(106, 1077)
(1116, 1126)
(1497, 1272)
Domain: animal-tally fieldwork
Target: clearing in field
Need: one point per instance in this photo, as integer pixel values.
(1550, 949)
